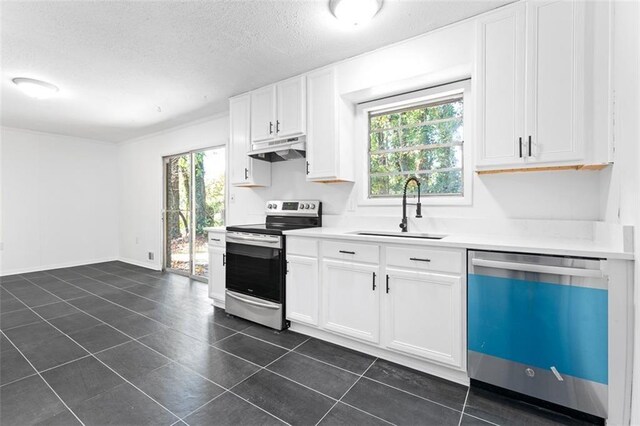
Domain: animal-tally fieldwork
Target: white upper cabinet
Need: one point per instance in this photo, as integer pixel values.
(330, 123)
(291, 110)
(279, 111)
(555, 83)
(530, 85)
(500, 86)
(243, 170)
(263, 114)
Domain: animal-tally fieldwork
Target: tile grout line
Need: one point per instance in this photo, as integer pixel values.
(100, 361)
(346, 392)
(464, 406)
(45, 382)
(124, 307)
(381, 383)
(243, 380)
(222, 350)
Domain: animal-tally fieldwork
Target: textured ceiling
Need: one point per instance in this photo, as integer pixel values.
(130, 68)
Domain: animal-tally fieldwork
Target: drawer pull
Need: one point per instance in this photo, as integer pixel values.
(347, 252)
(215, 239)
(374, 281)
(419, 260)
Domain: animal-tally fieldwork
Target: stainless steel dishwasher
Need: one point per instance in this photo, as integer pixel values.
(537, 325)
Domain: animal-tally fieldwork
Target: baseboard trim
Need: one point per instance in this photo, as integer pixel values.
(141, 264)
(55, 266)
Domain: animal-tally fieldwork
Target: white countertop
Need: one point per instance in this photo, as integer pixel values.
(543, 245)
(215, 229)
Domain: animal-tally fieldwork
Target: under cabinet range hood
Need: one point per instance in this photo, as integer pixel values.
(282, 150)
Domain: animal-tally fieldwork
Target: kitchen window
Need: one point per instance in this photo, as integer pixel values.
(420, 134)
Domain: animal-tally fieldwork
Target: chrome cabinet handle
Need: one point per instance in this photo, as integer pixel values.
(347, 252)
(419, 260)
(246, 173)
(270, 128)
(215, 239)
(277, 126)
(224, 259)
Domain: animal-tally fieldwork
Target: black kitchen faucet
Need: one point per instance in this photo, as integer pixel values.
(403, 224)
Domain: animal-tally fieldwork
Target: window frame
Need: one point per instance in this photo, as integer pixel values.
(408, 100)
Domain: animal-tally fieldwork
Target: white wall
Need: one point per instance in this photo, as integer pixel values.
(621, 185)
(439, 57)
(59, 201)
(141, 187)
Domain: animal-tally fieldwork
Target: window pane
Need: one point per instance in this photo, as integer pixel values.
(417, 160)
(435, 131)
(449, 182)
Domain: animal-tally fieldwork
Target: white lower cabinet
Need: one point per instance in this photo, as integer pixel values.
(217, 275)
(302, 289)
(422, 315)
(351, 299)
(405, 301)
(217, 260)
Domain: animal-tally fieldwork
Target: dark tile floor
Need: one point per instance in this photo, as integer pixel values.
(113, 343)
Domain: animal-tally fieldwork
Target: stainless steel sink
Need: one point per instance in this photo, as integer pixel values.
(400, 234)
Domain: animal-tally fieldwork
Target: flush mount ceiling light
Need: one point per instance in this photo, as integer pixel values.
(354, 12)
(35, 88)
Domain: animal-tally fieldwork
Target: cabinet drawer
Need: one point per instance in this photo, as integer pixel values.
(216, 239)
(347, 251)
(302, 246)
(426, 259)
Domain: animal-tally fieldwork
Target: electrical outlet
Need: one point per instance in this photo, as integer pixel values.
(151, 255)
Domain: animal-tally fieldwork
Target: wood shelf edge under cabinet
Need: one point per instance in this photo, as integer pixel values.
(587, 167)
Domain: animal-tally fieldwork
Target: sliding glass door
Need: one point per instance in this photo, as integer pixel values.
(194, 199)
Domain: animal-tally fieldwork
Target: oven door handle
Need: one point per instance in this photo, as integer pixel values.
(253, 302)
(250, 239)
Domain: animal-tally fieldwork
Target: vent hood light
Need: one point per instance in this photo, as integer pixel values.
(354, 12)
(35, 88)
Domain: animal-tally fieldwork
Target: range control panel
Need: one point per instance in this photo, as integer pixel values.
(298, 207)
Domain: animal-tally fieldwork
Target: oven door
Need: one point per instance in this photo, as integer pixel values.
(255, 270)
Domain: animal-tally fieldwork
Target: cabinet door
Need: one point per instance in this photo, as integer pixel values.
(501, 86)
(322, 126)
(423, 315)
(263, 108)
(217, 274)
(291, 112)
(351, 296)
(555, 83)
(302, 289)
(239, 162)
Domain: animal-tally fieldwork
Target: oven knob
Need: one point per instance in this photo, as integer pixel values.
(313, 206)
(306, 206)
(269, 206)
(301, 206)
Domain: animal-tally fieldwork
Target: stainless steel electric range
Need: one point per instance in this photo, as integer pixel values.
(256, 261)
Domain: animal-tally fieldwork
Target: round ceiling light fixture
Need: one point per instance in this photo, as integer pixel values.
(35, 88)
(354, 12)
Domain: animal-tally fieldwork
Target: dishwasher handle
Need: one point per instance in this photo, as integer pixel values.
(541, 269)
